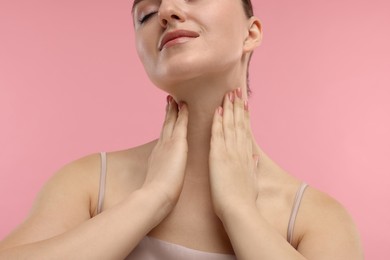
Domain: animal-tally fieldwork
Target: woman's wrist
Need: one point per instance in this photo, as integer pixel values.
(237, 212)
(157, 203)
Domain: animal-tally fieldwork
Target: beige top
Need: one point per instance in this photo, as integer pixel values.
(154, 249)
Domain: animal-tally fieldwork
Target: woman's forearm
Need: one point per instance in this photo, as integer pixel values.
(253, 237)
(113, 234)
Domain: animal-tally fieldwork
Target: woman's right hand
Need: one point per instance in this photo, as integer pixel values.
(55, 231)
(167, 162)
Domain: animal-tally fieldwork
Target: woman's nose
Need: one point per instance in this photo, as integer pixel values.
(170, 12)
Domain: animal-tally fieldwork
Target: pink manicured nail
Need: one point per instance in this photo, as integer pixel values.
(220, 111)
(239, 93)
(231, 96)
(180, 106)
(169, 99)
(246, 106)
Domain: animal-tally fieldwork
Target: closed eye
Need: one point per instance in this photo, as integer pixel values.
(146, 17)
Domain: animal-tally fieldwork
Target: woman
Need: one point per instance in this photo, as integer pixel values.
(204, 189)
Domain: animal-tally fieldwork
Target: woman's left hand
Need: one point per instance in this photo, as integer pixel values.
(232, 162)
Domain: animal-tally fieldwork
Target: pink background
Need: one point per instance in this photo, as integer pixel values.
(71, 84)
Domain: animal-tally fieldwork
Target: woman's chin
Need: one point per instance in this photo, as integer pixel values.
(169, 84)
(170, 77)
(176, 78)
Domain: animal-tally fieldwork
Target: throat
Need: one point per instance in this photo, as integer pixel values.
(198, 138)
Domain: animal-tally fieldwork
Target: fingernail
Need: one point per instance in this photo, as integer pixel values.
(246, 106)
(239, 93)
(231, 96)
(169, 99)
(180, 106)
(220, 111)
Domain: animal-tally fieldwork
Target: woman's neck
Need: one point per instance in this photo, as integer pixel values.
(202, 103)
(203, 96)
(202, 100)
(199, 135)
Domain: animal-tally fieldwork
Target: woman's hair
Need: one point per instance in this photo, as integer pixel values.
(248, 8)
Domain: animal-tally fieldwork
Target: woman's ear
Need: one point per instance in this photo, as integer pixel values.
(255, 35)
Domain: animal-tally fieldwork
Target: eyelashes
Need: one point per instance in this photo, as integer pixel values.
(146, 17)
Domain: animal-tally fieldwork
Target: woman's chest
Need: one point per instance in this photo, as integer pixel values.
(193, 223)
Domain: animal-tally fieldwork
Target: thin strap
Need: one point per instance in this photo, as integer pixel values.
(102, 184)
(294, 212)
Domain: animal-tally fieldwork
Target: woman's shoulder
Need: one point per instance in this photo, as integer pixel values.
(321, 206)
(278, 184)
(320, 216)
(70, 195)
(132, 158)
(87, 169)
(79, 179)
(125, 172)
(325, 221)
(62, 203)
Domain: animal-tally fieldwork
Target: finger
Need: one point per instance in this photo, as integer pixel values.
(228, 119)
(170, 119)
(180, 129)
(217, 135)
(249, 132)
(241, 126)
(243, 129)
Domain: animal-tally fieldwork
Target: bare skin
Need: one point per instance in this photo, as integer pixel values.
(205, 175)
(193, 209)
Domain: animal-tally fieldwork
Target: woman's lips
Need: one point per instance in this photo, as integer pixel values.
(176, 37)
(176, 41)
